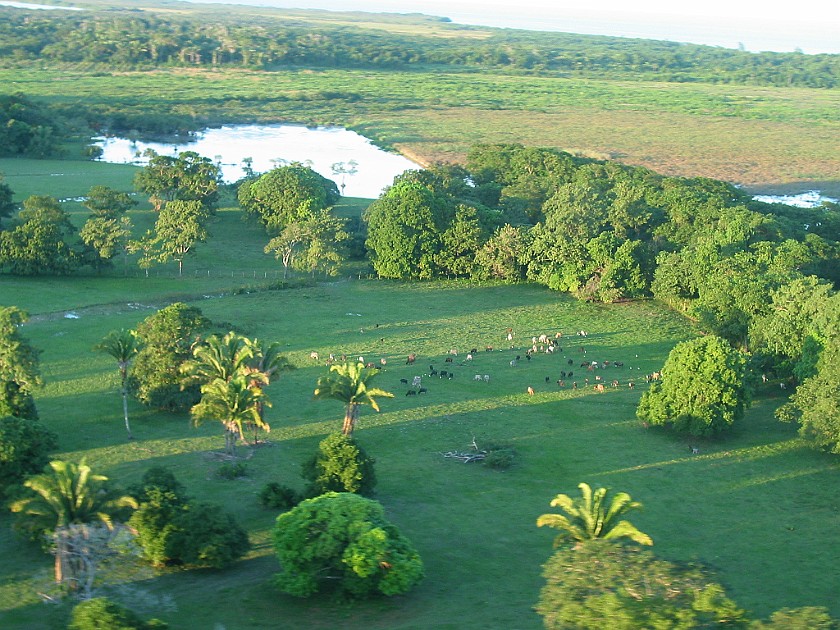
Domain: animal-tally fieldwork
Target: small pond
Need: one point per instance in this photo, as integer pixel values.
(269, 146)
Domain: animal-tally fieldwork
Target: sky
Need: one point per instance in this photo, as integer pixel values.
(812, 26)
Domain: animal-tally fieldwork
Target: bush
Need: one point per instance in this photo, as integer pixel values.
(278, 497)
(25, 446)
(158, 477)
(343, 540)
(100, 613)
(499, 456)
(340, 465)
(207, 536)
(232, 470)
(173, 530)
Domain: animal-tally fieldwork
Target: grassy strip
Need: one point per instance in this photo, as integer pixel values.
(772, 139)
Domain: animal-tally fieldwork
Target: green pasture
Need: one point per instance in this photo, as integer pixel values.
(757, 505)
(768, 139)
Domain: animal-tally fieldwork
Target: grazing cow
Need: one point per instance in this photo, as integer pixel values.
(469, 357)
(444, 374)
(411, 359)
(422, 390)
(433, 373)
(547, 379)
(513, 363)
(615, 383)
(488, 348)
(543, 338)
(474, 351)
(518, 357)
(530, 391)
(477, 377)
(411, 392)
(656, 376)
(453, 352)
(570, 374)
(431, 367)
(694, 450)
(382, 361)
(448, 360)
(486, 378)
(313, 355)
(574, 384)
(618, 363)
(528, 356)
(562, 374)
(415, 382)
(561, 383)
(599, 388)
(558, 335)
(597, 378)
(571, 361)
(404, 381)
(631, 384)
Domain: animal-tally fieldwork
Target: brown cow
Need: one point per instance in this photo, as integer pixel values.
(599, 388)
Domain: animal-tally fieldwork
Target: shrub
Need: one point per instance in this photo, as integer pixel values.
(100, 613)
(499, 456)
(207, 536)
(278, 497)
(158, 477)
(232, 470)
(172, 529)
(343, 540)
(340, 465)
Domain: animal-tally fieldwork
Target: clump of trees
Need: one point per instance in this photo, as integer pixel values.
(173, 529)
(344, 543)
(702, 390)
(168, 337)
(232, 372)
(20, 373)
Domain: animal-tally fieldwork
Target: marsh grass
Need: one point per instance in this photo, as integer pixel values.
(757, 505)
(768, 139)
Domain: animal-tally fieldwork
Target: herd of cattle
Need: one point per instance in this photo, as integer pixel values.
(546, 351)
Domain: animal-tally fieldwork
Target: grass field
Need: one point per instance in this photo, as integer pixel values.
(770, 140)
(757, 505)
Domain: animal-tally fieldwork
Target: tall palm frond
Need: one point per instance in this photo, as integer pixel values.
(217, 357)
(588, 518)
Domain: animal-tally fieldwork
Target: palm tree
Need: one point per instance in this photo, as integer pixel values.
(67, 494)
(122, 345)
(351, 384)
(218, 358)
(234, 403)
(270, 363)
(588, 518)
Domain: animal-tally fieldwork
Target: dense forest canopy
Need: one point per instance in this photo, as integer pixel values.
(196, 36)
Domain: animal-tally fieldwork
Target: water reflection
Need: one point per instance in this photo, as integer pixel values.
(269, 146)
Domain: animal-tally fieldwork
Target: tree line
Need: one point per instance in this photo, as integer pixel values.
(127, 39)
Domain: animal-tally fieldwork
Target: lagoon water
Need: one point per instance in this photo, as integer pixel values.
(269, 146)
